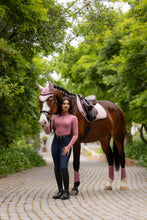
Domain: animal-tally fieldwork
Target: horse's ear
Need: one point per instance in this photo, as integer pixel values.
(40, 87)
(51, 87)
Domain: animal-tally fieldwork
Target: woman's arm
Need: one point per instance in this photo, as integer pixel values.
(74, 132)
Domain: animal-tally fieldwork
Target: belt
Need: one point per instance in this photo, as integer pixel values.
(61, 137)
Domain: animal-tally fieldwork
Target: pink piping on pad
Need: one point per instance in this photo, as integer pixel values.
(76, 177)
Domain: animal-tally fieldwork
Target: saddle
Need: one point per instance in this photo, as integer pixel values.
(90, 108)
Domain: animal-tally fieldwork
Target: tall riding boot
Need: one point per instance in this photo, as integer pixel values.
(65, 177)
(59, 184)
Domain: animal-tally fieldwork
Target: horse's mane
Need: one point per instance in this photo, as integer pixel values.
(64, 91)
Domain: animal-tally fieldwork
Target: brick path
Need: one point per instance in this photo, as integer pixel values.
(28, 195)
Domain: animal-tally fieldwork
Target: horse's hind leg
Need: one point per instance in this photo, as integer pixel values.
(105, 144)
(76, 166)
(120, 148)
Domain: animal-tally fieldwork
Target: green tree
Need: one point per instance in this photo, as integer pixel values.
(111, 60)
(28, 29)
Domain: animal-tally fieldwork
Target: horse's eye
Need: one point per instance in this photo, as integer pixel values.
(50, 101)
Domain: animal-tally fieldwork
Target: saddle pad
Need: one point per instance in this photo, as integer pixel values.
(101, 111)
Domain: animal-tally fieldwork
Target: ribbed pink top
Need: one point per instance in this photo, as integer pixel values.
(64, 124)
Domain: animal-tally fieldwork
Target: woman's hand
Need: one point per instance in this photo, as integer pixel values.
(65, 151)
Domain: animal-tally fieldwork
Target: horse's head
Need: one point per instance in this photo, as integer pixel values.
(48, 103)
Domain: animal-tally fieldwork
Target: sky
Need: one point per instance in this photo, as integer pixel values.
(125, 6)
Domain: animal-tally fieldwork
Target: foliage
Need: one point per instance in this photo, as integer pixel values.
(44, 138)
(137, 151)
(89, 153)
(111, 60)
(100, 151)
(29, 29)
(16, 159)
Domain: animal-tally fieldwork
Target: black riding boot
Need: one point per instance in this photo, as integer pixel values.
(65, 177)
(59, 184)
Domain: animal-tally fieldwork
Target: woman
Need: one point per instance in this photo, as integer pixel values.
(64, 124)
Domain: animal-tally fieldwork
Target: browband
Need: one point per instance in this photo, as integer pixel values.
(47, 94)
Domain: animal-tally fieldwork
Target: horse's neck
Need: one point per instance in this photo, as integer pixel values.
(58, 94)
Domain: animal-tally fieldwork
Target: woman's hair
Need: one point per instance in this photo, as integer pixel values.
(61, 102)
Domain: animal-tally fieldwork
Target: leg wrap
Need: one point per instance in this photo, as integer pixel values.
(76, 177)
(111, 172)
(123, 173)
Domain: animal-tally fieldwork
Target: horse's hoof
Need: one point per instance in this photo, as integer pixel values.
(108, 185)
(123, 188)
(74, 192)
(108, 188)
(123, 185)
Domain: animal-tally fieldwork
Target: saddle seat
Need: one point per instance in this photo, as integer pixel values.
(90, 108)
(91, 99)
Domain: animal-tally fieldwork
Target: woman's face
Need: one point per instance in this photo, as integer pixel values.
(65, 106)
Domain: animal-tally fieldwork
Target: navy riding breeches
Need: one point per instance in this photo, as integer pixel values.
(60, 161)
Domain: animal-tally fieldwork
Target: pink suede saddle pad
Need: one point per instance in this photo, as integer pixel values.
(101, 113)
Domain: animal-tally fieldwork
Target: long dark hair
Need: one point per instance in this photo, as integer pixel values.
(60, 105)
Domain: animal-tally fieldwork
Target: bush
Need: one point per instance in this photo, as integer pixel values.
(137, 151)
(34, 157)
(16, 159)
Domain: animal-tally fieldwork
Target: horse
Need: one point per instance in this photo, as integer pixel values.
(102, 130)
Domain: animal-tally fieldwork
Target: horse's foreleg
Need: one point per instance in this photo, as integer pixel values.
(105, 143)
(76, 166)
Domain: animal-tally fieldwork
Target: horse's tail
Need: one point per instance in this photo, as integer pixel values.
(116, 156)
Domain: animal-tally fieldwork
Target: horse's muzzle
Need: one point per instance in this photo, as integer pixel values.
(43, 123)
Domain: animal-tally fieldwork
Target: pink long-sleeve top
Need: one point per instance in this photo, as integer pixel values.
(64, 124)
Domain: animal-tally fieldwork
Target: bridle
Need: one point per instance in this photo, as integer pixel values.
(51, 112)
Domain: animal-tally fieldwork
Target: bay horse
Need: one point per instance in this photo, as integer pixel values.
(114, 125)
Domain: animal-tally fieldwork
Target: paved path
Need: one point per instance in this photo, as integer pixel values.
(28, 195)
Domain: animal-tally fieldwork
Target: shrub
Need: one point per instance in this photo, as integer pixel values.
(17, 159)
(137, 151)
(34, 157)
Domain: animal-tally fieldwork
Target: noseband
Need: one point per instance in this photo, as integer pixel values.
(47, 112)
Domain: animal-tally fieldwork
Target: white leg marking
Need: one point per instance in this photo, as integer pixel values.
(108, 185)
(123, 184)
